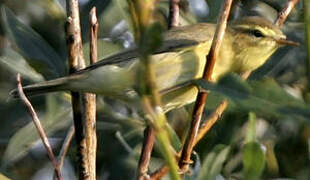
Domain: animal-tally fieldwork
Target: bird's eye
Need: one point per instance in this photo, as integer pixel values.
(257, 33)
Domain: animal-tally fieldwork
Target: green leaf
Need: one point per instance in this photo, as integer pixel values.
(17, 64)
(213, 163)
(253, 160)
(38, 53)
(264, 97)
(175, 140)
(251, 134)
(231, 86)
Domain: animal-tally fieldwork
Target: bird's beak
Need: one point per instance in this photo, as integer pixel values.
(284, 41)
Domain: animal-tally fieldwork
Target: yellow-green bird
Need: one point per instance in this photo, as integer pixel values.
(247, 45)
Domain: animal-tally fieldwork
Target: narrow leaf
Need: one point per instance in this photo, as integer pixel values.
(17, 64)
(213, 163)
(175, 140)
(264, 97)
(38, 53)
(253, 161)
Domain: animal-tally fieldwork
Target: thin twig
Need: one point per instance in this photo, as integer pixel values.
(39, 127)
(145, 156)
(90, 103)
(76, 62)
(202, 96)
(205, 127)
(285, 12)
(161, 172)
(74, 40)
(173, 19)
(201, 133)
(65, 147)
(146, 151)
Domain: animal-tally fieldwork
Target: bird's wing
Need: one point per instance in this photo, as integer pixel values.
(174, 40)
(128, 55)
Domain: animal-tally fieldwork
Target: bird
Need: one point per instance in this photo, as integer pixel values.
(247, 44)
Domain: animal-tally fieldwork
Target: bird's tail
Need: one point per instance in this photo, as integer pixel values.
(108, 80)
(42, 87)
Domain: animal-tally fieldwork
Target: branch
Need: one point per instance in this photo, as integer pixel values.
(202, 96)
(65, 147)
(173, 19)
(90, 103)
(93, 21)
(76, 62)
(74, 40)
(145, 156)
(205, 127)
(285, 12)
(39, 127)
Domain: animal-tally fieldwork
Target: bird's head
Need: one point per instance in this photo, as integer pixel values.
(255, 40)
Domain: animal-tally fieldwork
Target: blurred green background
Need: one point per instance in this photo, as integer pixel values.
(272, 142)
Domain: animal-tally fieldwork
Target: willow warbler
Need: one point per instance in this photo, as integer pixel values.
(247, 45)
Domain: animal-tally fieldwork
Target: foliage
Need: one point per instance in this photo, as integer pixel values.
(32, 43)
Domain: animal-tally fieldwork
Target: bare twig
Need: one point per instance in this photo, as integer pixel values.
(201, 133)
(39, 127)
(65, 147)
(205, 127)
(93, 21)
(74, 40)
(90, 103)
(76, 62)
(148, 143)
(146, 151)
(160, 173)
(285, 12)
(202, 96)
(173, 19)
